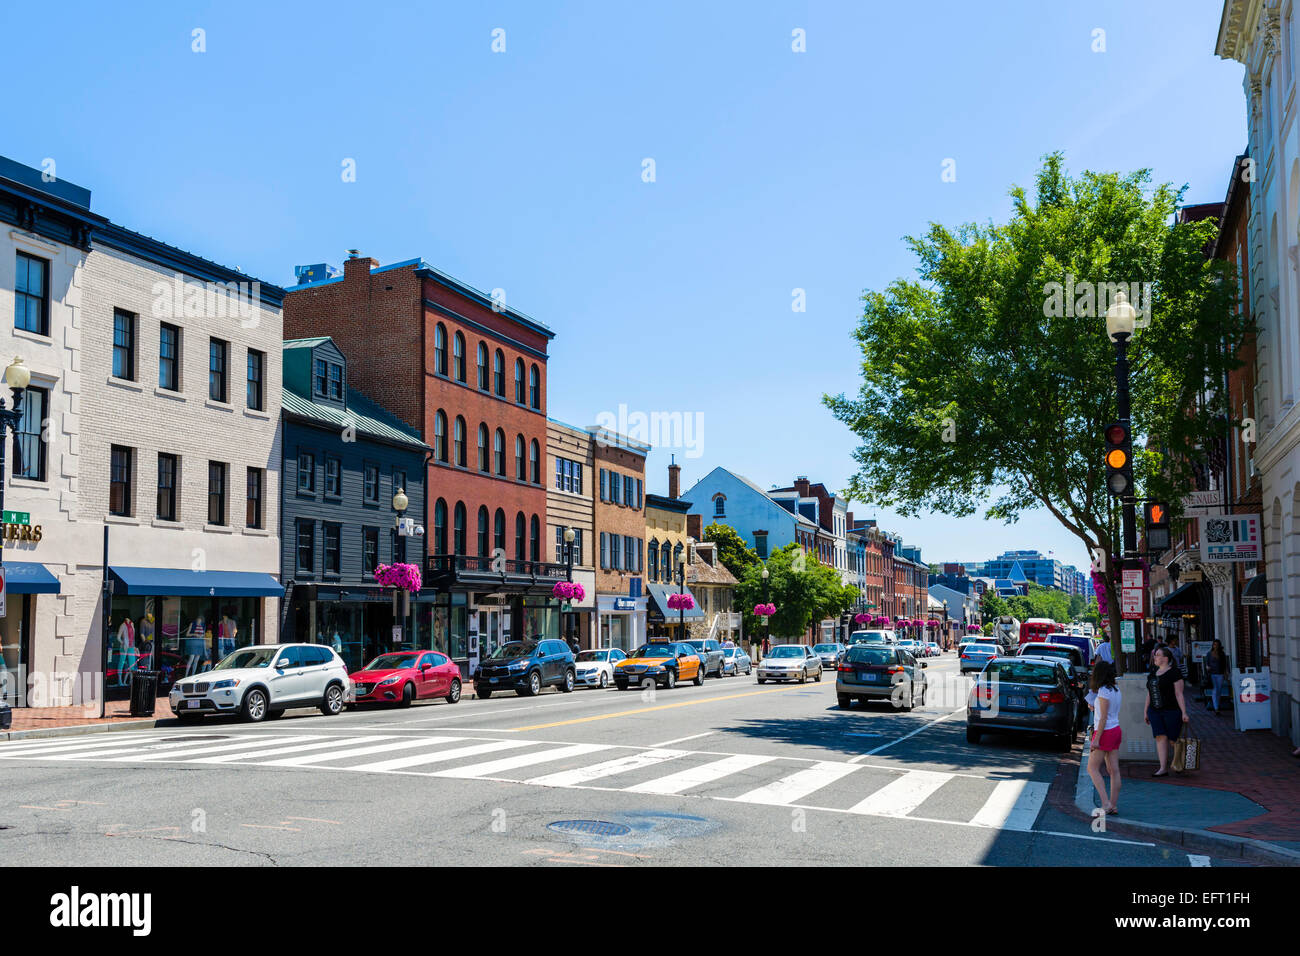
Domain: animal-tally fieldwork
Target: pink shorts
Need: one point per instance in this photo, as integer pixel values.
(1109, 739)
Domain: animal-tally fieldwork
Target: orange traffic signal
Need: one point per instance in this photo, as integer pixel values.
(1116, 458)
(1119, 459)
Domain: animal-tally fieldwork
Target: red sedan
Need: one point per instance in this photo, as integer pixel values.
(405, 676)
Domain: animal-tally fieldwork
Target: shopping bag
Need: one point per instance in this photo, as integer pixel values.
(1179, 763)
(1191, 753)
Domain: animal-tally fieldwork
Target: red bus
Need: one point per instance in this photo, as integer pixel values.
(1037, 629)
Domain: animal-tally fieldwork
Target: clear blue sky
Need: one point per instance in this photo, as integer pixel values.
(522, 170)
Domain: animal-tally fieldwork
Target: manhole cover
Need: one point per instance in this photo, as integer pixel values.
(596, 827)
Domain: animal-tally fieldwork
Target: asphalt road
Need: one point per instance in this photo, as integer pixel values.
(729, 773)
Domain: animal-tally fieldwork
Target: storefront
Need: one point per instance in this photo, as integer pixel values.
(1254, 607)
(23, 582)
(622, 621)
(663, 621)
(181, 622)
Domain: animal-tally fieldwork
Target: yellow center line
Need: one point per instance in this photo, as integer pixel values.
(646, 710)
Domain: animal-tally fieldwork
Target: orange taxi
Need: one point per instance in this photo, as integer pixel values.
(663, 662)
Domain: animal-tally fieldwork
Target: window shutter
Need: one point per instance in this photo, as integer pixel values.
(603, 493)
(614, 544)
(640, 555)
(604, 553)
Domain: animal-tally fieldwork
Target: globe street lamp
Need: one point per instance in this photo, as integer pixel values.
(1121, 320)
(569, 537)
(683, 560)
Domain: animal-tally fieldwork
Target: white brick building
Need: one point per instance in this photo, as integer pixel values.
(141, 366)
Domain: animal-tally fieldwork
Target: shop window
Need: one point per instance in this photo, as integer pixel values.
(28, 444)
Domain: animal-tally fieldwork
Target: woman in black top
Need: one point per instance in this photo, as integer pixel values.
(1166, 711)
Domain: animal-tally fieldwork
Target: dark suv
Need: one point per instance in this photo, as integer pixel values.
(526, 667)
(710, 652)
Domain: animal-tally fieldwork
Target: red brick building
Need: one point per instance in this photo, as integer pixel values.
(470, 375)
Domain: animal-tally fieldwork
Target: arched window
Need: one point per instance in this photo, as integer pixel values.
(440, 349)
(535, 462)
(535, 539)
(440, 527)
(484, 543)
(459, 440)
(654, 560)
(500, 531)
(458, 356)
(499, 447)
(482, 367)
(499, 372)
(521, 541)
(458, 529)
(483, 449)
(535, 388)
(519, 381)
(720, 506)
(440, 435)
(521, 471)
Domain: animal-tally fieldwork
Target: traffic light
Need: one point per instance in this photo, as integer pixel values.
(1155, 520)
(1119, 460)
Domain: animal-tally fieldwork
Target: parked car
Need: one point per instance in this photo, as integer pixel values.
(829, 653)
(912, 646)
(1072, 657)
(711, 652)
(526, 667)
(662, 662)
(790, 662)
(264, 680)
(402, 677)
(880, 672)
(596, 668)
(1019, 695)
(1085, 645)
(736, 661)
(975, 656)
(935, 649)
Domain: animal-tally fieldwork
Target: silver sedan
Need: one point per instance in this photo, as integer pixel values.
(790, 662)
(736, 661)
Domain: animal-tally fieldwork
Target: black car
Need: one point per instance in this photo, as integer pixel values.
(1018, 695)
(526, 667)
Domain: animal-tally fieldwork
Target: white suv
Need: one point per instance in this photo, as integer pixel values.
(263, 680)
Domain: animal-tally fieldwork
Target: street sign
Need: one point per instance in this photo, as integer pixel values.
(1131, 578)
(1127, 637)
(16, 517)
(1130, 604)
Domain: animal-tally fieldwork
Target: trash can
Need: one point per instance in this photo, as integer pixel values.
(6, 715)
(144, 693)
(1251, 689)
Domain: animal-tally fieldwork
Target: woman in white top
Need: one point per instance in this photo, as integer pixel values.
(1106, 735)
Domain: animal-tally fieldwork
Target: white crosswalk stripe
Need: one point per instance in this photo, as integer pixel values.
(495, 767)
(776, 781)
(699, 776)
(1014, 805)
(900, 797)
(573, 778)
(798, 785)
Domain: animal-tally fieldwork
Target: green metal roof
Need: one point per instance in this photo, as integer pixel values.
(306, 343)
(362, 415)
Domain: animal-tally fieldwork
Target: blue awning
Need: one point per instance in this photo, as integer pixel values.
(177, 582)
(659, 594)
(23, 577)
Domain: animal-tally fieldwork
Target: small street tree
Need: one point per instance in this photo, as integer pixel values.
(803, 590)
(735, 555)
(988, 382)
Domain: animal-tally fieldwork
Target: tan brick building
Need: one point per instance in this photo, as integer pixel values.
(572, 476)
(619, 523)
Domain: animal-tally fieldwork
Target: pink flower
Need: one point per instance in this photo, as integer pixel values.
(404, 576)
(680, 602)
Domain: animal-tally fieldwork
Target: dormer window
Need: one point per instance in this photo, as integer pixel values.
(327, 379)
(336, 382)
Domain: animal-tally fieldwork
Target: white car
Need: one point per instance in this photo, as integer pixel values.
(876, 636)
(790, 662)
(263, 680)
(596, 668)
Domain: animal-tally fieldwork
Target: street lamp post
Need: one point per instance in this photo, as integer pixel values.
(682, 561)
(767, 619)
(1121, 319)
(569, 537)
(17, 377)
(400, 597)
(945, 623)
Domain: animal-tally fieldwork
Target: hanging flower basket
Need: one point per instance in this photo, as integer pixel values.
(764, 610)
(404, 576)
(680, 602)
(861, 618)
(567, 591)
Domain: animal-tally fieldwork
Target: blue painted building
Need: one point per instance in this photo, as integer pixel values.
(345, 457)
(723, 497)
(1028, 565)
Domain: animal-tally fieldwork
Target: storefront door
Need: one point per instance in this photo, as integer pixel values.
(15, 651)
(489, 632)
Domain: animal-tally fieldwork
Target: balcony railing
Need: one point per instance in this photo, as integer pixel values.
(472, 571)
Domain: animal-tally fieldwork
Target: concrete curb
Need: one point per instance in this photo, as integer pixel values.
(1222, 844)
(74, 730)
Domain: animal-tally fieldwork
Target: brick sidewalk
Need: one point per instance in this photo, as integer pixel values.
(42, 718)
(1256, 764)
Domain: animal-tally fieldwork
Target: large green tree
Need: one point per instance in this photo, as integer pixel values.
(802, 589)
(987, 382)
(735, 555)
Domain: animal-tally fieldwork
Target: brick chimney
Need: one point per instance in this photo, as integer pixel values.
(848, 518)
(357, 267)
(801, 485)
(693, 527)
(674, 479)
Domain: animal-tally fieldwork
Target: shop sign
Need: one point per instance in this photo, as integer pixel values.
(1198, 502)
(1228, 538)
(1253, 600)
(1192, 577)
(17, 526)
(624, 604)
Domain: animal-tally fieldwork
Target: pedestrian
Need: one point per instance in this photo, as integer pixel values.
(1104, 653)
(573, 644)
(1216, 665)
(1148, 648)
(1166, 709)
(767, 646)
(1106, 736)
